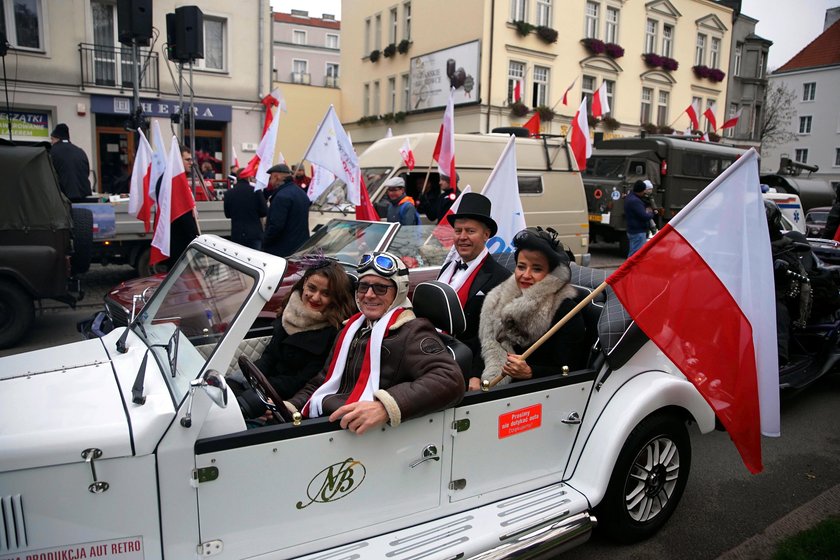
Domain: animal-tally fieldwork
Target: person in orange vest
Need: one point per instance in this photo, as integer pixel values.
(402, 207)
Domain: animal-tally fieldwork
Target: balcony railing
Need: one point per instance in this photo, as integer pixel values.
(331, 81)
(107, 66)
(301, 78)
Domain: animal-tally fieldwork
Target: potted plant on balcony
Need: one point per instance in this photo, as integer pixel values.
(593, 46)
(547, 34)
(701, 71)
(652, 60)
(374, 55)
(518, 109)
(592, 121)
(402, 48)
(389, 51)
(546, 113)
(614, 50)
(665, 129)
(669, 64)
(523, 28)
(610, 124)
(716, 75)
(650, 128)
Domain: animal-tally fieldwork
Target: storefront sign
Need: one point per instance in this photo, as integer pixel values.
(26, 125)
(109, 105)
(433, 74)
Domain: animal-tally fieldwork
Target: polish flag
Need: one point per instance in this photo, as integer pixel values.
(709, 113)
(691, 111)
(579, 137)
(331, 149)
(517, 91)
(732, 121)
(702, 291)
(235, 157)
(444, 232)
(600, 103)
(365, 210)
(566, 93)
(264, 159)
(533, 125)
(158, 158)
(139, 199)
(175, 200)
(407, 154)
(270, 101)
(444, 153)
(502, 188)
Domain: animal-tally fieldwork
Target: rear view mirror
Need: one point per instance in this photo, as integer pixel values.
(640, 170)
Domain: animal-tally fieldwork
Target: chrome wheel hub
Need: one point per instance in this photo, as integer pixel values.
(652, 478)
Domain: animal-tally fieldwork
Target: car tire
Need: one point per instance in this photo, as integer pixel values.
(82, 240)
(648, 479)
(143, 267)
(17, 312)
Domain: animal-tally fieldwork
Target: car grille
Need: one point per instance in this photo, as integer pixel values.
(117, 313)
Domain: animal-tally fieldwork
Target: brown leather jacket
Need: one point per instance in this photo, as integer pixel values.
(417, 374)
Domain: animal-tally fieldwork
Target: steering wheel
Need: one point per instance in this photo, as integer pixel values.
(265, 390)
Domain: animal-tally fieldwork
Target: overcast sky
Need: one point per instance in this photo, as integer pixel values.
(790, 24)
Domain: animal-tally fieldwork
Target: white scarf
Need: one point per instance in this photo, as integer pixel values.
(475, 263)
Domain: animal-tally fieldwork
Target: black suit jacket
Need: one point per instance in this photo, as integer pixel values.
(245, 206)
(489, 275)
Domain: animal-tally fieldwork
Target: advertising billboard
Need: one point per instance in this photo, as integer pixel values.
(434, 73)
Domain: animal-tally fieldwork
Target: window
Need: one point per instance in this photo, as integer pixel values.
(20, 22)
(332, 75)
(516, 73)
(367, 37)
(587, 90)
(591, 19)
(736, 64)
(714, 60)
(805, 125)
(366, 101)
(836, 157)
(710, 104)
(809, 91)
(700, 50)
(332, 41)
(610, 94)
(407, 21)
(650, 35)
(801, 155)
(377, 33)
(662, 109)
(406, 91)
(647, 99)
(667, 40)
(544, 13)
(300, 71)
(611, 34)
(375, 107)
(214, 44)
(541, 75)
(298, 37)
(517, 10)
(392, 95)
(392, 26)
(733, 109)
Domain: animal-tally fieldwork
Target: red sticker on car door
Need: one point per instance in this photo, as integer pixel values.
(519, 421)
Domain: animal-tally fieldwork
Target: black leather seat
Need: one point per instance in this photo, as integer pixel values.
(438, 302)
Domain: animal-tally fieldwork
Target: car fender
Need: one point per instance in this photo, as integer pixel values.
(638, 397)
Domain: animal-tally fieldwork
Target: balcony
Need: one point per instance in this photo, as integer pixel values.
(331, 81)
(112, 67)
(301, 78)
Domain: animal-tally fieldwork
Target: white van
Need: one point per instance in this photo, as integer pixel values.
(550, 185)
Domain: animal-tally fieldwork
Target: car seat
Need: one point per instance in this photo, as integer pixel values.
(438, 302)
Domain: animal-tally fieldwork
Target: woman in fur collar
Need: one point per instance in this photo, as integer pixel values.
(524, 307)
(312, 315)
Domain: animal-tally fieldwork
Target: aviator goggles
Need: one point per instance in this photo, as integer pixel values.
(382, 264)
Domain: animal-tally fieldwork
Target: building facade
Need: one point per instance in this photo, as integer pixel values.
(400, 58)
(814, 77)
(66, 64)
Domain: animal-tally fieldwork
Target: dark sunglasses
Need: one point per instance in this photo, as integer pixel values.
(378, 289)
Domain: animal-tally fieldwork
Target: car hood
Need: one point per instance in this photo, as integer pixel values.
(59, 401)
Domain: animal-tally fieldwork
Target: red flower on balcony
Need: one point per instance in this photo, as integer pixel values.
(594, 46)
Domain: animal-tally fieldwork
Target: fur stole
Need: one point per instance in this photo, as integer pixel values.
(513, 317)
(297, 317)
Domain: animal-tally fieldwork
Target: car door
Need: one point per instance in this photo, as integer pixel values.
(305, 488)
(520, 434)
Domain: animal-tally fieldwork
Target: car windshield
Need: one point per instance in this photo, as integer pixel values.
(334, 197)
(421, 246)
(607, 167)
(346, 240)
(190, 314)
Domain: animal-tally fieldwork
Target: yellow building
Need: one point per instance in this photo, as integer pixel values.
(399, 59)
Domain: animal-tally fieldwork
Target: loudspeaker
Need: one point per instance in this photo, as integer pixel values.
(171, 37)
(134, 21)
(189, 33)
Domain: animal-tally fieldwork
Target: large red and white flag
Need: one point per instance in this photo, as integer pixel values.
(533, 125)
(566, 93)
(444, 152)
(732, 121)
(265, 152)
(407, 154)
(702, 291)
(691, 111)
(159, 153)
(600, 103)
(175, 200)
(139, 199)
(709, 113)
(579, 137)
(502, 188)
(321, 179)
(272, 102)
(331, 148)
(365, 210)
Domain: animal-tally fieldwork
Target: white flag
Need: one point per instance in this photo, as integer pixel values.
(159, 155)
(502, 188)
(331, 149)
(321, 179)
(265, 151)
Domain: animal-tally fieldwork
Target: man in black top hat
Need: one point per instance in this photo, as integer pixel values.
(71, 164)
(287, 227)
(474, 273)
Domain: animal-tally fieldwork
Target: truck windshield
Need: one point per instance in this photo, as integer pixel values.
(334, 198)
(607, 167)
(190, 314)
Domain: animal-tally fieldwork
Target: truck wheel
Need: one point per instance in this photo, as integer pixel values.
(143, 267)
(648, 479)
(17, 311)
(82, 240)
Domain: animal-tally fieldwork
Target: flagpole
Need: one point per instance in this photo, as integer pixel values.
(426, 180)
(487, 384)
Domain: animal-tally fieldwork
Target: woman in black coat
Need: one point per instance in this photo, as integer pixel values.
(304, 333)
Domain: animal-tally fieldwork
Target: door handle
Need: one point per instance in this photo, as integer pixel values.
(429, 454)
(572, 418)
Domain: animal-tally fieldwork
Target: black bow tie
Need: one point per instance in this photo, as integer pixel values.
(460, 265)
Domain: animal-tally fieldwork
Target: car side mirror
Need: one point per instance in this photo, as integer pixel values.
(214, 385)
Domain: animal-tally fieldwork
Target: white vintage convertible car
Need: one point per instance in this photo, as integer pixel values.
(122, 447)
